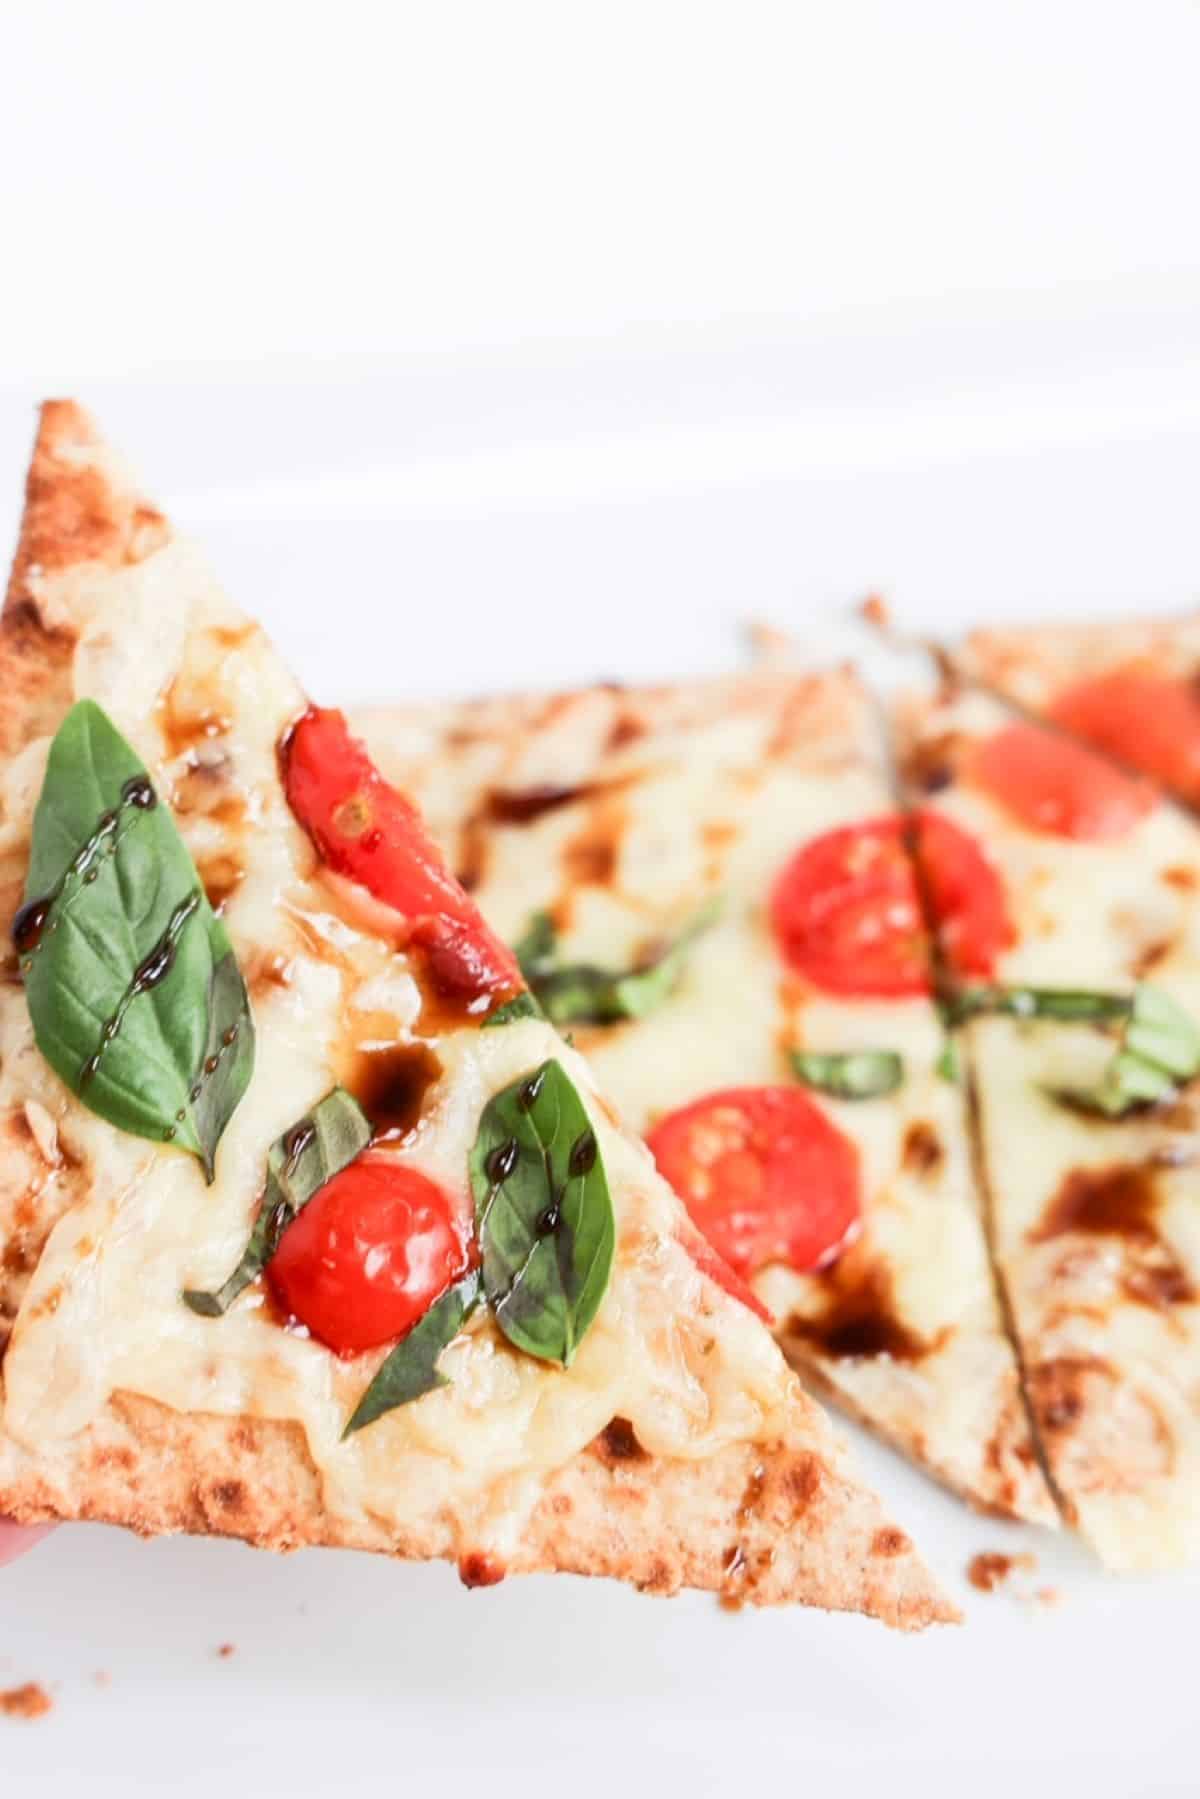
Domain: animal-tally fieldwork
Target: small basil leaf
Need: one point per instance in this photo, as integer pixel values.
(1065, 1003)
(522, 1006)
(1160, 1046)
(1160, 1031)
(536, 949)
(580, 993)
(854, 1074)
(133, 989)
(543, 1213)
(299, 1164)
(411, 1367)
(948, 1066)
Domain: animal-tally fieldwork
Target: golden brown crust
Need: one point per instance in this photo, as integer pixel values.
(1034, 665)
(771, 1523)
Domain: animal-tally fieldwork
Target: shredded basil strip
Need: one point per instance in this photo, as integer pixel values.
(299, 1164)
(522, 1005)
(852, 1074)
(543, 1213)
(1066, 1003)
(133, 989)
(410, 1369)
(581, 993)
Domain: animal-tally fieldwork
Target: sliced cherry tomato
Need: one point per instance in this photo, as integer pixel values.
(1054, 785)
(1149, 720)
(965, 894)
(369, 832)
(717, 1269)
(369, 1254)
(764, 1174)
(847, 912)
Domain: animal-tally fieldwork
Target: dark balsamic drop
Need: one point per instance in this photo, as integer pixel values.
(549, 1220)
(138, 791)
(295, 1143)
(501, 1161)
(155, 966)
(391, 1084)
(528, 1097)
(583, 1155)
(29, 924)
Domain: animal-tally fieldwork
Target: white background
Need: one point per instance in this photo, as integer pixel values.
(512, 343)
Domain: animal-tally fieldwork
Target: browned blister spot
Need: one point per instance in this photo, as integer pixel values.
(617, 1443)
(922, 1152)
(220, 877)
(889, 1542)
(1182, 878)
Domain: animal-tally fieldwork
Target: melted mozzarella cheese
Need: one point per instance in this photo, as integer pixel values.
(715, 807)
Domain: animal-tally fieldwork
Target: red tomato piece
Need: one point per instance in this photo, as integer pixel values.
(847, 913)
(369, 1254)
(1054, 785)
(1149, 720)
(717, 1269)
(965, 894)
(764, 1174)
(367, 831)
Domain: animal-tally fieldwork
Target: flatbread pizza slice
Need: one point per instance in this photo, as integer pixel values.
(312, 1230)
(1080, 997)
(1130, 688)
(710, 889)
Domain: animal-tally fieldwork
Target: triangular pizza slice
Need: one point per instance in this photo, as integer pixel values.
(709, 886)
(1130, 687)
(311, 1229)
(1080, 999)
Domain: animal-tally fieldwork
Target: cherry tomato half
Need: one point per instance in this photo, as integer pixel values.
(764, 1174)
(369, 1254)
(847, 913)
(1146, 719)
(370, 833)
(1054, 785)
(965, 894)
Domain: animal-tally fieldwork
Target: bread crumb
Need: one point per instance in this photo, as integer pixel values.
(30, 1701)
(101, 1678)
(875, 611)
(768, 643)
(224, 1651)
(990, 1569)
(1049, 1596)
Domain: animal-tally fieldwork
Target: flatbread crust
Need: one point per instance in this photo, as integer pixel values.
(613, 807)
(1094, 1221)
(781, 1520)
(1033, 665)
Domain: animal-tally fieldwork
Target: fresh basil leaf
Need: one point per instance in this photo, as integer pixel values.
(580, 993)
(543, 1213)
(948, 1066)
(523, 1005)
(299, 1164)
(410, 1369)
(133, 988)
(853, 1074)
(1065, 1003)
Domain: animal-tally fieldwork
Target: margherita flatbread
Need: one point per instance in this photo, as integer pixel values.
(1084, 1058)
(711, 889)
(311, 1230)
